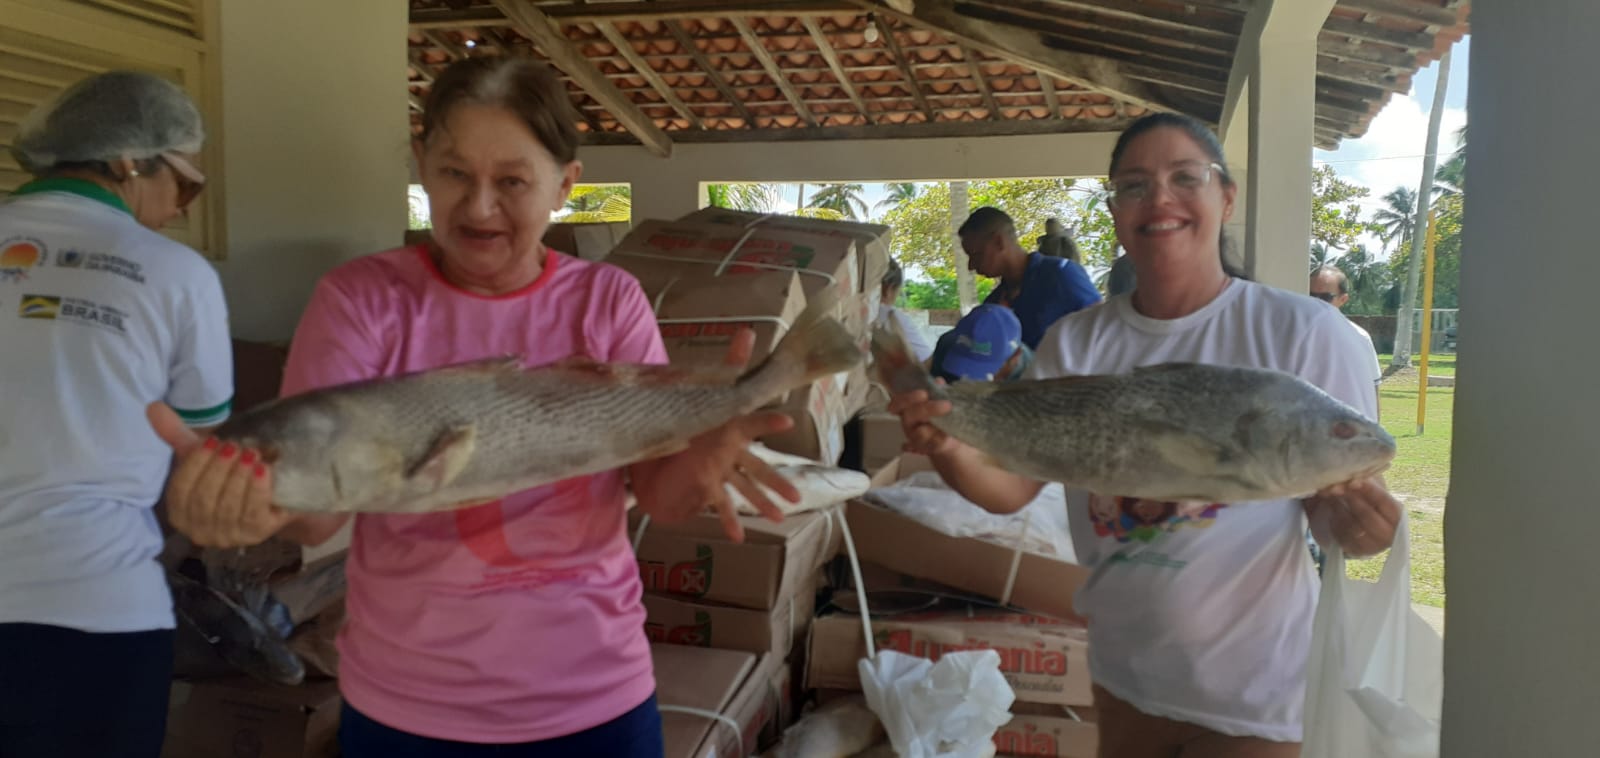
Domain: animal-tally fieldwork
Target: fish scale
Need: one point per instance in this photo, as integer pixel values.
(439, 439)
(1170, 432)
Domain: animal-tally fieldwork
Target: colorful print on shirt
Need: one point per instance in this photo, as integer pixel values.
(1130, 518)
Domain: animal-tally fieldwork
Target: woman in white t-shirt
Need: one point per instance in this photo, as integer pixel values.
(1199, 616)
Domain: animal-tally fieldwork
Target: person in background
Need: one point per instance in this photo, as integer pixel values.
(893, 280)
(985, 345)
(103, 314)
(1199, 620)
(1040, 289)
(1121, 279)
(1330, 285)
(513, 627)
(1056, 242)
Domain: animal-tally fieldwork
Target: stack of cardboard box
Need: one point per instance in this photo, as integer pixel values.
(729, 622)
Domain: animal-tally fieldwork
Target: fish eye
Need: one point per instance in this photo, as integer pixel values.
(1344, 430)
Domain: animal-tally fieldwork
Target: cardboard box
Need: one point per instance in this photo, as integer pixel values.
(589, 241)
(679, 621)
(819, 415)
(882, 440)
(1044, 660)
(824, 262)
(1043, 585)
(1048, 732)
(872, 240)
(745, 688)
(695, 559)
(244, 718)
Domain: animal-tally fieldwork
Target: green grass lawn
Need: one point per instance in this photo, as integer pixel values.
(1420, 473)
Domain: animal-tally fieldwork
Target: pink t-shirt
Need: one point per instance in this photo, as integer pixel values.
(514, 621)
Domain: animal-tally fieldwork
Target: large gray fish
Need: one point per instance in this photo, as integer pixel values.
(1170, 432)
(433, 440)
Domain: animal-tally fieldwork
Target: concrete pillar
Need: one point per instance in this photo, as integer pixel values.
(1282, 114)
(315, 147)
(1236, 145)
(1522, 675)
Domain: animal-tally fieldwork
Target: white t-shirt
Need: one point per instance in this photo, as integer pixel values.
(99, 317)
(1203, 613)
(1377, 367)
(915, 339)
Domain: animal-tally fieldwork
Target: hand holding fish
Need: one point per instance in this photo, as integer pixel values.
(1360, 515)
(219, 495)
(916, 412)
(692, 481)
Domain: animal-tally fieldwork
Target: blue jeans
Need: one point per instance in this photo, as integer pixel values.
(635, 734)
(65, 693)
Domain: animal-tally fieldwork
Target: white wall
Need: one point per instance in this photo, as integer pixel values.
(1522, 526)
(315, 143)
(669, 187)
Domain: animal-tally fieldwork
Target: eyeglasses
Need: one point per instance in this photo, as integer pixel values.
(1184, 182)
(1326, 297)
(190, 180)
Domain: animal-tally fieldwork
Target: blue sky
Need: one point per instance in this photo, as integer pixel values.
(1389, 155)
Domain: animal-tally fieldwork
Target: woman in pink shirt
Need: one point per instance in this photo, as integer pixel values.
(515, 623)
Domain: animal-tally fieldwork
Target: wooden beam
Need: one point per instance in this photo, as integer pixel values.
(688, 45)
(660, 10)
(886, 33)
(416, 102)
(1025, 48)
(1431, 15)
(538, 27)
(1193, 61)
(773, 73)
(825, 47)
(895, 131)
(1357, 76)
(625, 48)
(455, 51)
(982, 82)
(1382, 56)
(1048, 86)
(414, 56)
(1051, 18)
(1360, 30)
(1157, 75)
(1224, 25)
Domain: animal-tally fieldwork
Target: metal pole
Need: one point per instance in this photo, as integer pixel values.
(1427, 328)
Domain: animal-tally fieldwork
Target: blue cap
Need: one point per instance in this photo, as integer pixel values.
(982, 342)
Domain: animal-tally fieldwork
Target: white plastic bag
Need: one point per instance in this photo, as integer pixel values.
(926, 499)
(949, 709)
(1375, 675)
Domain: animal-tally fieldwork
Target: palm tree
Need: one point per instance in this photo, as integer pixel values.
(843, 198)
(744, 196)
(1393, 221)
(896, 195)
(592, 203)
(1451, 176)
(1319, 255)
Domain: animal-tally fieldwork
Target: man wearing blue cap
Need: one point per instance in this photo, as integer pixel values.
(986, 345)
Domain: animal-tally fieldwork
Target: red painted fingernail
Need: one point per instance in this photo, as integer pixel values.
(261, 471)
(228, 450)
(248, 458)
(211, 443)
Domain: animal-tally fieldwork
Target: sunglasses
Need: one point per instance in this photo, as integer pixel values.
(1326, 297)
(190, 180)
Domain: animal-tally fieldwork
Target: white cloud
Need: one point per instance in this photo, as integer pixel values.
(1391, 153)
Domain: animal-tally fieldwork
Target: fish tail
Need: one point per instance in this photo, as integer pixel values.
(897, 368)
(816, 346)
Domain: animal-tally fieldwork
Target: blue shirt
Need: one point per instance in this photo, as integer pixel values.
(1051, 288)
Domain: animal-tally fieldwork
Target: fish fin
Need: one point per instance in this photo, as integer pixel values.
(1187, 450)
(816, 346)
(447, 458)
(894, 363)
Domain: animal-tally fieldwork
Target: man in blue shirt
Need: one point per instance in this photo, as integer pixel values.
(986, 345)
(1040, 289)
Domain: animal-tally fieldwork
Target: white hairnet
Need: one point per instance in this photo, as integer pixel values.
(117, 114)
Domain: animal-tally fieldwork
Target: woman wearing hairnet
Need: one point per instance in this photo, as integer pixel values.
(100, 315)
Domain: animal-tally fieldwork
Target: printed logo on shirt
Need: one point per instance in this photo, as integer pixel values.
(39, 306)
(1129, 518)
(73, 309)
(111, 264)
(17, 256)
